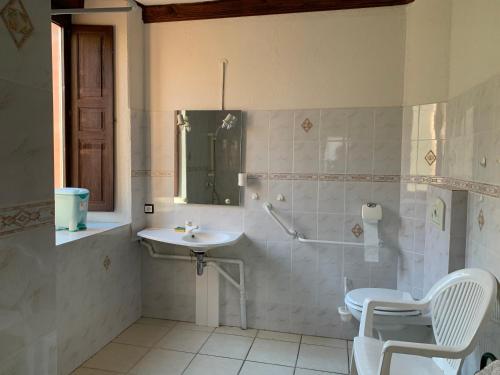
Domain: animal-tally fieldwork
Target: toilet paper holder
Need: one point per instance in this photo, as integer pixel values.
(371, 212)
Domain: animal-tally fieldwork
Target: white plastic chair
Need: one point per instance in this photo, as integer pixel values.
(457, 304)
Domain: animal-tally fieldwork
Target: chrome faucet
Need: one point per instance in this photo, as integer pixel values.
(190, 227)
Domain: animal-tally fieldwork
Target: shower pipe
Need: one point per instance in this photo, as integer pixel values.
(296, 235)
(212, 262)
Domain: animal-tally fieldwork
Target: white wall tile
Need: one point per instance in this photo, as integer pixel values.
(305, 196)
(305, 157)
(361, 124)
(333, 156)
(388, 124)
(296, 290)
(334, 124)
(359, 157)
(331, 196)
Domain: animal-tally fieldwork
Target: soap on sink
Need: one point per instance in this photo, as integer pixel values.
(180, 229)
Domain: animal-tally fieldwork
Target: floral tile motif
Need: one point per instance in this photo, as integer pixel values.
(307, 125)
(106, 263)
(357, 230)
(480, 219)
(430, 157)
(17, 21)
(23, 217)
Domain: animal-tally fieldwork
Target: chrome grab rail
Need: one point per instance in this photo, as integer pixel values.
(268, 207)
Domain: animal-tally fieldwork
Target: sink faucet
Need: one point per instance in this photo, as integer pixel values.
(190, 227)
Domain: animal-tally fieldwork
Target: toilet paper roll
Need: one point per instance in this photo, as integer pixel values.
(371, 241)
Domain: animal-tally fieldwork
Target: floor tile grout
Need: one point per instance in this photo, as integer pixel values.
(198, 352)
(212, 332)
(298, 353)
(248, 352)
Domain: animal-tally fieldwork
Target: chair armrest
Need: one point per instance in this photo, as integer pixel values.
(413, 348)
(369, 305)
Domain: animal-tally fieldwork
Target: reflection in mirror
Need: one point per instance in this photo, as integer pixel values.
(208, 157)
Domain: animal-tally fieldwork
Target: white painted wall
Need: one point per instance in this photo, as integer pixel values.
(307, 60)
(427, 56)
(451, 46)
(475, 41)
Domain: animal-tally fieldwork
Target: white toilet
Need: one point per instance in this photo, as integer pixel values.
(408, 325)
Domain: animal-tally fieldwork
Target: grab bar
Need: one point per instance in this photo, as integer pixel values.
(301, 239)
(296, 235)
(269, 209)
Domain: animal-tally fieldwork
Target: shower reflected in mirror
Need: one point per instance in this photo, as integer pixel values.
(208, 157)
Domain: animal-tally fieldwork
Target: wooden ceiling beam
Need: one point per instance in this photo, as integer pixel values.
(67, 4)
(243, 8)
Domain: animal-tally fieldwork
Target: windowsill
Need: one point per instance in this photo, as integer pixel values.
(93, 228)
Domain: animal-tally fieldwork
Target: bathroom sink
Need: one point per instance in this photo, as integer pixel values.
(199, 240)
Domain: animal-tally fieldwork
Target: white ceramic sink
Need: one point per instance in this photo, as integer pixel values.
(198, 240)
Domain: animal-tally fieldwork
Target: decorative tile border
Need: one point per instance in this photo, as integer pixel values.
(27, 216)
(150, 173)
(455, 183)
(257, 176)
(452, 183)
(324, 177)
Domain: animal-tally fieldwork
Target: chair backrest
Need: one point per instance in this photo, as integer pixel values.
(459, 304)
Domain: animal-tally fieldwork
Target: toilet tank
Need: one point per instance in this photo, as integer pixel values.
(71, 206)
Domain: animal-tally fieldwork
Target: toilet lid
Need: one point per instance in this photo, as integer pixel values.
(356, 298)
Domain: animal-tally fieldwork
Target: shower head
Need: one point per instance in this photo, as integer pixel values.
(183, 122)
(229, 121)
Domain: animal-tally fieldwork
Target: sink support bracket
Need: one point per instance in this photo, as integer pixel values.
(203, 261)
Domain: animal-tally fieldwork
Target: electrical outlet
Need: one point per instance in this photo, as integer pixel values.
(149, 208)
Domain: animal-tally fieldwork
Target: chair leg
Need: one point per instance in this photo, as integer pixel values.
(353, 370)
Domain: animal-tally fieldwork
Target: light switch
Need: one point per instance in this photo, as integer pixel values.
(437, 214)
(149, 208)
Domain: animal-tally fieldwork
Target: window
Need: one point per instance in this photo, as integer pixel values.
(58, 105)
(83, 101)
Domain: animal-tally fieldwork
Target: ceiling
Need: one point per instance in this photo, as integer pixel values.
(161, 2)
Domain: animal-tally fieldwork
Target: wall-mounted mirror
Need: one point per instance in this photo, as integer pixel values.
(208, 154)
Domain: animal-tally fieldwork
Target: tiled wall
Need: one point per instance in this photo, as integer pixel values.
(460, 134)
(445, 243)
(325, 167)
(98, 294)
(27, 252)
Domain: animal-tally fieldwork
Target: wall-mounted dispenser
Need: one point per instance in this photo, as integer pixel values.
(371, 214)
(437, 213)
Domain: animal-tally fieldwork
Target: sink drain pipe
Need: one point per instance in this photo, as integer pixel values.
(213, 262)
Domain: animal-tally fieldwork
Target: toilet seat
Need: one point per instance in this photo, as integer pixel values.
(355, 299)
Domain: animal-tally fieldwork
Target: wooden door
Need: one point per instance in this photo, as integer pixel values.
(92, 117)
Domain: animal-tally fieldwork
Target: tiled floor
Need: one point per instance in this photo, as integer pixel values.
(163, 347)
